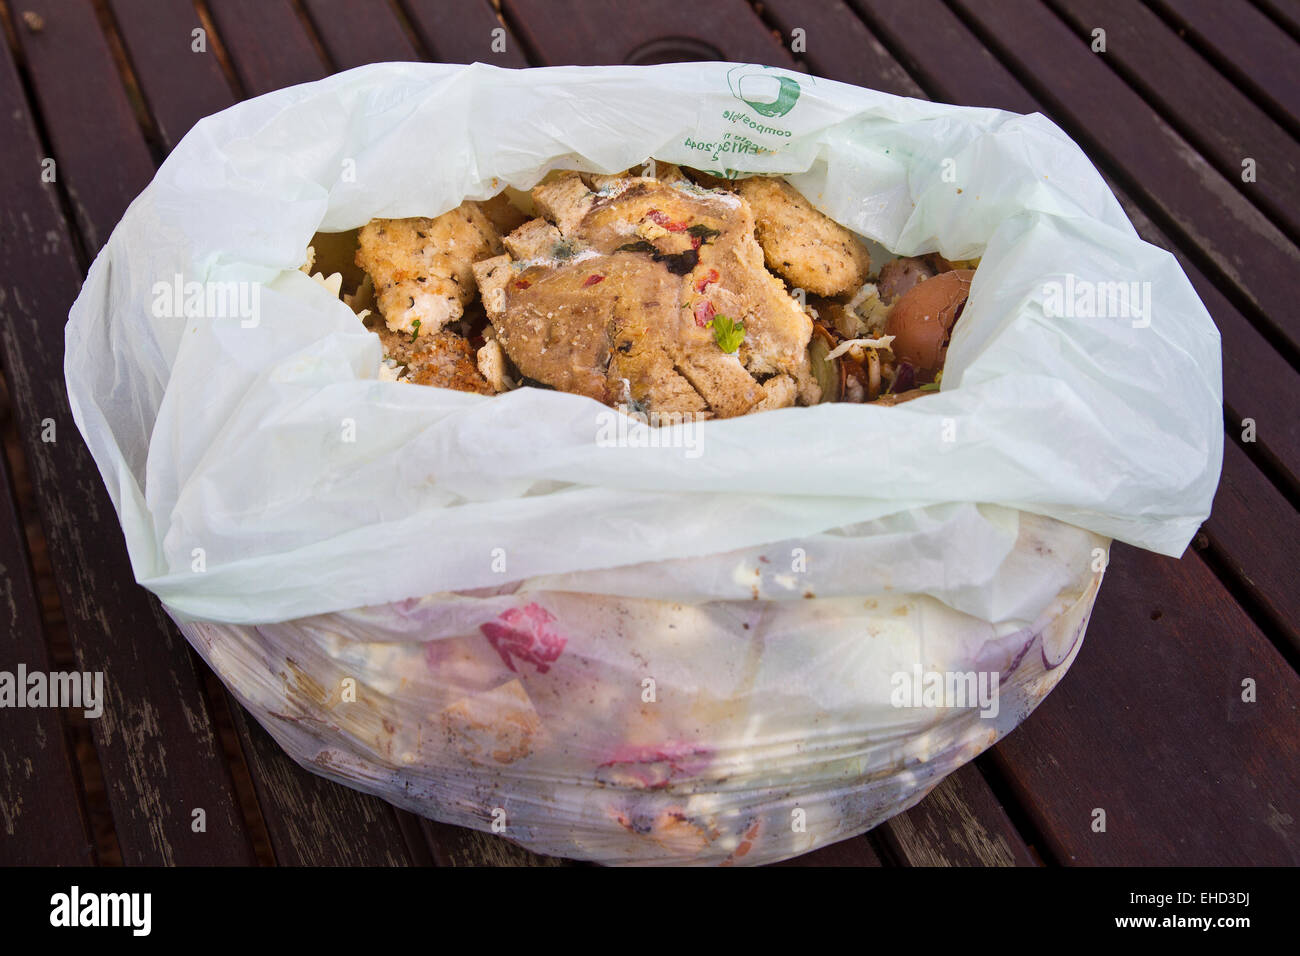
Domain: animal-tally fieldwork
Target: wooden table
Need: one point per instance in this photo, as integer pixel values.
(1150, 724)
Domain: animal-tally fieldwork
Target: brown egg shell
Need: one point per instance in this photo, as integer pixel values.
(921, 321)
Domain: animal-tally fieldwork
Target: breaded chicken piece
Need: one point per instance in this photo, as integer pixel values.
(439, 358)
(612, 298)
(423, 268)
(812, 251)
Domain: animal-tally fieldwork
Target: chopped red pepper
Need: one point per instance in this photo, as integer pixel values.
(522, 283)
(704, 312)
(697, 241)
(662, 219)
(706, 280)
(593, 279)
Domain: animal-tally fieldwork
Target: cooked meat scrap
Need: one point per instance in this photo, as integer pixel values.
(439, 358)
(423, 268)
(614, 297)
(812, 251)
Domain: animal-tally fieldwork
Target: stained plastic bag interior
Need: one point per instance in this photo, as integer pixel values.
(476, 610)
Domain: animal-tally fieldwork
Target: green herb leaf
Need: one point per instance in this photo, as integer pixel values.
(639, 246)
(701, 231)
(726, 333)
(415, 330)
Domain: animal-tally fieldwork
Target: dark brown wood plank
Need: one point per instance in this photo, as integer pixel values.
(961, 823)
(181, 85)
(355, 34)
(313, 821)
(1247, 45)
(1285, 13)
(1203, 210)
(268, 46)
(1256, 532)
(1224, 124)
(42, 815)
(460, 846)
(837, 45)
(67, 58)
(650, 31)
(1150, 727)
(463, 32)
(155, 740)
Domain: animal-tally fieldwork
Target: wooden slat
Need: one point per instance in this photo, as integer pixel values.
(1149, 158)
(310, 820)
(1225, 124)
(155, 740)
(463, 32)
(837, 45)
(1250, 47)
(648, 31)
(1256, 532)
(459, 846)
(181, 85)
(354, 34)
(1286, 13)
(313, 821)
(961, 823)
(63, 58)
(1150, 727)
(42, 816)
(268, 46)
(926, 37)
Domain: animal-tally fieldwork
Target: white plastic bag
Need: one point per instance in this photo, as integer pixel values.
(216, 436)
(629, 730)
(263, 473)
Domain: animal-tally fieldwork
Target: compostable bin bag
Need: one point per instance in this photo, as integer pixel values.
(640, 650)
